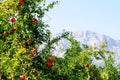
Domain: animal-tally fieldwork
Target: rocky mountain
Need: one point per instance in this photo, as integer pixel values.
(90, 38)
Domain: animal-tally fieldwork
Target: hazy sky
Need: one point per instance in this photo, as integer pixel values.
(102, 16)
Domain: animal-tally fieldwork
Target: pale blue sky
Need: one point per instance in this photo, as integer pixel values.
(102, 16)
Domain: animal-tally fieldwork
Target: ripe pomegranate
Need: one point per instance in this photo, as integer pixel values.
(14, 29)
(48, 64)
(5, 33)
(21, 2)
(51, 59)
(12, 19)
(87, 65)
(35, 20)
(22, 77)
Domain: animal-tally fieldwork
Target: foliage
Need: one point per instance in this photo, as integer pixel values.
(22, 31)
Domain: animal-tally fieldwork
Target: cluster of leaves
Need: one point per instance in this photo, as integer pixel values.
(8, 7)
(22, 31)
(77, 64)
